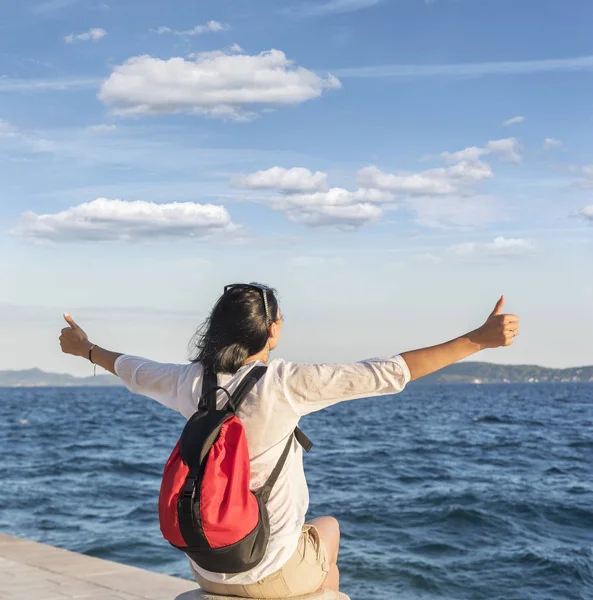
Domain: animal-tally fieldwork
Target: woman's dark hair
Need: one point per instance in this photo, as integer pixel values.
(236, 329)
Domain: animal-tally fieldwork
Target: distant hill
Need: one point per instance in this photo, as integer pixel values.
(465, 372)
(479, 372)
(39, 378)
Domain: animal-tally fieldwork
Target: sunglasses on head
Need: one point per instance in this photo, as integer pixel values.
(263, 289)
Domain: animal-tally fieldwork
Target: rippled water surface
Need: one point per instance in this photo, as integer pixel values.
(443, 492)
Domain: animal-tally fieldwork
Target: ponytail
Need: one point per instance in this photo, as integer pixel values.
(230, 358)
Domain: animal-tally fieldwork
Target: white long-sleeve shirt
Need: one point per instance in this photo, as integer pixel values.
(270, 413)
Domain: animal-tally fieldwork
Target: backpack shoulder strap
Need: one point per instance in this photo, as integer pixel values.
(246, 385)
(303, 440)
(209, 386)
(265, 491)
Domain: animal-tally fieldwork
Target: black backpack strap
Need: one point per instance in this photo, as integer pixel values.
(209, 387)
(265, 491)
(244, 388)
(185, 509)
(303, 440)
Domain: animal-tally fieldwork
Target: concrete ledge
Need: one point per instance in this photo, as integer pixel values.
(33, 571)
(320, 595)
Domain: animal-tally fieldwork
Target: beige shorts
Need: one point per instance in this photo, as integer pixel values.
(304, 573)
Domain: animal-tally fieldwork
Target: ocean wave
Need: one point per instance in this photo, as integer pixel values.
(478, 494)
(492, 419)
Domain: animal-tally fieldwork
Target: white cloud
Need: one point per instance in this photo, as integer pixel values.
(329, 8)
(455, 179)
(514, 121)
(305, 198)
(439, 197)
(292, 180)
(471, 154)
(552, 144)
(119, 220)
(464, 70)
(217, 84)
(93, 35)
(587, 213)
(337, 196)
(210, 27)
(101, 128)
(501, 247)
(507, 149)
(336, 207)
(443, 197)
(347, 217)
(446, 196)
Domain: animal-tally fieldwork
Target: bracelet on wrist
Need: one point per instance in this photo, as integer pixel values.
(90, 350)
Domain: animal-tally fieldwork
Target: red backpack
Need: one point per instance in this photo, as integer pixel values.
(206, 508)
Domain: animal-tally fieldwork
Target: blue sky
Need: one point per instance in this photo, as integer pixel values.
(390, 166)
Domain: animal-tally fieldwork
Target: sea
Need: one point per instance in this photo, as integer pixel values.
(443, 491)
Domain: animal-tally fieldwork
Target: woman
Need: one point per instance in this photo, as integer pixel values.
(244, 326)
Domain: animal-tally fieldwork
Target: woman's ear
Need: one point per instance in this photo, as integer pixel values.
(273, 330)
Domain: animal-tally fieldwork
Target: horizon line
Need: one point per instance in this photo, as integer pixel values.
(465, 361)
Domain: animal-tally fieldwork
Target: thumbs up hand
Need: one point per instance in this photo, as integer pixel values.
(73, 339)
(499, 329)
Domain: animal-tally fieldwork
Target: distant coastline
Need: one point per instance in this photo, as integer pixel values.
(465, 372)
(39, 378)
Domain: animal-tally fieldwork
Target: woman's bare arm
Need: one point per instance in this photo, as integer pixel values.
(74, 341)
(499, 330)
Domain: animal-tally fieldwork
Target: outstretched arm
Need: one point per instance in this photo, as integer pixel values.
(309, 388)
(75, 341)
(498, 330)
(170, 384)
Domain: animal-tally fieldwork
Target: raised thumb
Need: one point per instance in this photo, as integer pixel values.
(498, 308)
(70, 321)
